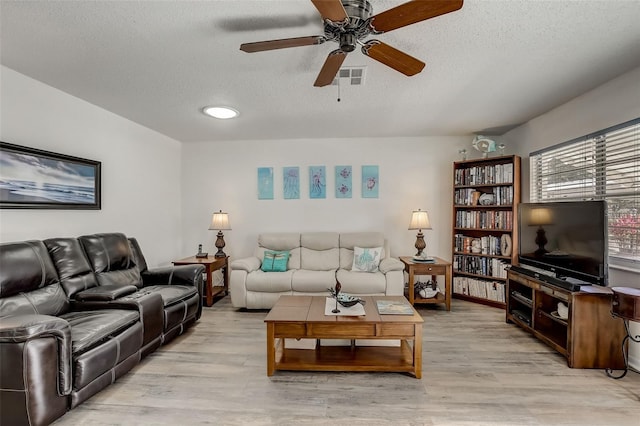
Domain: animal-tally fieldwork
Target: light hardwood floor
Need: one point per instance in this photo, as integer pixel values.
(477, 370)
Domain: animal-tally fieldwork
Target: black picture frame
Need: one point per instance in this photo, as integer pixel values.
(36, 179)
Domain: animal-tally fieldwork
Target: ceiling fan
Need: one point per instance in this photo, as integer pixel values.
(349, 22)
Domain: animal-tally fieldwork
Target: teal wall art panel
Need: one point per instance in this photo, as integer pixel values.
(291, 183)
(265, 183)
(343, 180)
(370, 181)
(317, 182)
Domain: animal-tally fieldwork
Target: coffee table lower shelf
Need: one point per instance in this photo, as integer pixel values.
(346, 358)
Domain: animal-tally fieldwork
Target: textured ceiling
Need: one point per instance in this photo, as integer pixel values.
(491, 65)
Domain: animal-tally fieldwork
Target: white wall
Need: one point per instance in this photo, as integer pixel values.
(140, 168)
(615, 102)
(414, 173)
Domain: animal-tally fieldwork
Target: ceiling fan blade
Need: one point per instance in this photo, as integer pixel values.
(412, 12)
(332, 10)
(260, 46)
(330, 68)
(392, 57)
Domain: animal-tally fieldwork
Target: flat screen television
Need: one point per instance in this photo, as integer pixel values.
(568, 239)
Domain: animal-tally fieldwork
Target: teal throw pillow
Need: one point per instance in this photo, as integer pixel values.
(275, 261)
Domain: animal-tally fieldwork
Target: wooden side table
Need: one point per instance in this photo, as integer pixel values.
(211, 264)
(625, 304)
(438, 267)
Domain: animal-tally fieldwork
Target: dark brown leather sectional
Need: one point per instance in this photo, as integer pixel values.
(77, 313)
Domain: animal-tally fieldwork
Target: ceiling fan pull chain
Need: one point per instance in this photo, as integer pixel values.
(338, 88)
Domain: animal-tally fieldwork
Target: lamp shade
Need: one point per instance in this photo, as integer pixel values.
(419, 220)
(220, 221)
(540, 216)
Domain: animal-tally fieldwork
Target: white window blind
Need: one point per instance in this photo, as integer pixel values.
(604, 165)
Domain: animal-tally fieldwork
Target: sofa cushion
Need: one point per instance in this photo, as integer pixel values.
(319, 251)
(366, 259)
(359, 283)
(275, 261)
(320, 240)
(29, 282)
(269, 282)
(111, 258)
(89, 328)
(350, 240)
(319, 260)
(305, 281)
(278, 242)
(71, 264)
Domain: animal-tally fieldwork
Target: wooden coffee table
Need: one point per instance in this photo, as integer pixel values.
(303, 317)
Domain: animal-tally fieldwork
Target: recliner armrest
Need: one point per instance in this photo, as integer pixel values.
(176, 275)
(390, 264)
(105, 293)
(248, 264)
(22, 328)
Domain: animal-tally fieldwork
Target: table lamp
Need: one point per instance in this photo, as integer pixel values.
(419, 221)
(220, 222)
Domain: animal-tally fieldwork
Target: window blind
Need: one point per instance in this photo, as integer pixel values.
(603, 166)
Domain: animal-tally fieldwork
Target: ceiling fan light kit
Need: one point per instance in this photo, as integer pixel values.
(349, 22)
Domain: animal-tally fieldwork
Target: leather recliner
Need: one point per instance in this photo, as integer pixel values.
(76, 314)
(118, 261)
(54, 357)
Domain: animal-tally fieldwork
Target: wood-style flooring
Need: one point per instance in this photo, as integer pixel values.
(477, 370)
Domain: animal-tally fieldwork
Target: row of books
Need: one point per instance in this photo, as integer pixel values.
(478, 175)
(484, 219)
(502, 196)
(479, 265)
(490, 290)
(489, 244)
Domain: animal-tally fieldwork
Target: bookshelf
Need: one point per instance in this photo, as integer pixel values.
(486, 194)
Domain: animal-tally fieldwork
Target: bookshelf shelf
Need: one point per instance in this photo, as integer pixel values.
(486, 194)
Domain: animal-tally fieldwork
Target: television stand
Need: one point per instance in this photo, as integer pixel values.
(588, 338)
(550, 279)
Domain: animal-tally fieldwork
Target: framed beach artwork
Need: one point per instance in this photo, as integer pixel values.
(291, 183)
(343, 180)
(265, 183)
(317, 182)
(35, 179)
(370, 181)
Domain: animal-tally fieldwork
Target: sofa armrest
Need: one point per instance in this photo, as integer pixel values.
(105, 292)
(248, 264)
(390, 264)
(176, 275)
(23, 328)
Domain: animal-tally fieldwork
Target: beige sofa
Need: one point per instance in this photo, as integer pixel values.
(316, 260)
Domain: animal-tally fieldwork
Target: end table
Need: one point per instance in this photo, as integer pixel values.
(435, 268)
(211, 264)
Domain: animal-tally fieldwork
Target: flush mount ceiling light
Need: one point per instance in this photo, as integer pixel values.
(220, 112)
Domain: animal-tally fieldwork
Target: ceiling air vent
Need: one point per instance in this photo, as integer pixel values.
(352, 76)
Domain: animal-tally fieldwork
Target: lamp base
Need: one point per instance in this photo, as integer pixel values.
(220, 245)
(420, 244)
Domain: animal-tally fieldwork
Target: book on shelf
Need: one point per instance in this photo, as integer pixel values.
(483, 289)
(485, 175)
(479, 265)
(394, 307)
(489, 245)
(500, 220)
(502, 196)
